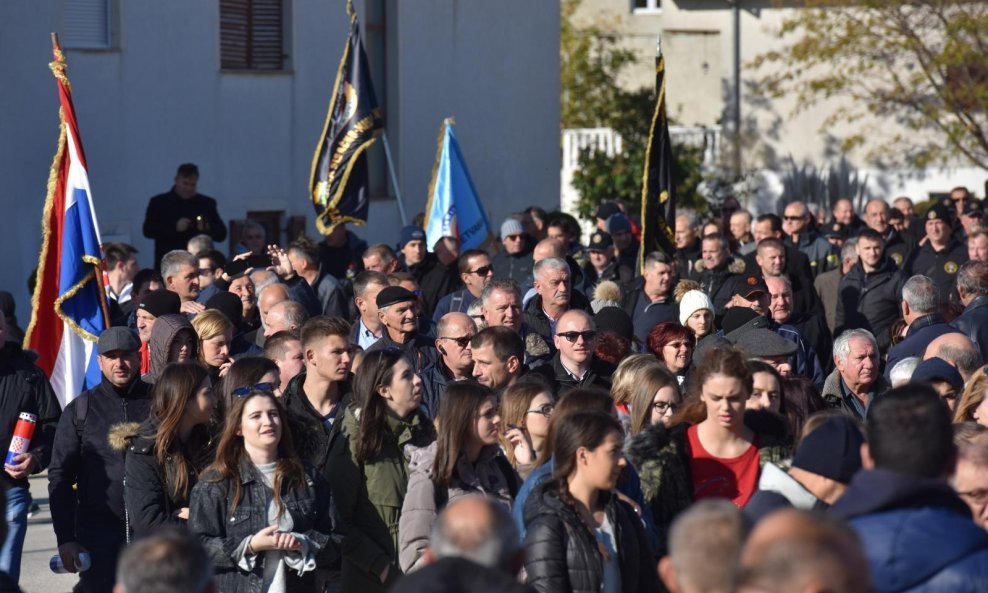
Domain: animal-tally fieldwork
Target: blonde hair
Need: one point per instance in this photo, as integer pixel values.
(623, 379)
(973, 394)
(211, 323)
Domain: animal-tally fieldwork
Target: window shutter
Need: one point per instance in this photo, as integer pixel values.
(86, 24)
(251, 35)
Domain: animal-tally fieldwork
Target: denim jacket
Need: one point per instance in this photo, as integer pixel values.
(312, 510)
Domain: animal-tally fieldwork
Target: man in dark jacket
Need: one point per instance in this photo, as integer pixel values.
(942, 255)
(396, 310)
(574, 364)
(90, 517)
(554, 296)
(921, 312)
(916, 531)
(23, 389)
(649, 299)
(453, 334)
(798, 225)
(972, 286)
(514, 261)
(476, 272)
(717, 270)
(868, 295)
(897, 245)
(340, 254)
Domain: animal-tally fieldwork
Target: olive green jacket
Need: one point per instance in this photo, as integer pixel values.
(370, 495)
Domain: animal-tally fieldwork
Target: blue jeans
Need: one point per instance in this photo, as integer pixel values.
(18, 504)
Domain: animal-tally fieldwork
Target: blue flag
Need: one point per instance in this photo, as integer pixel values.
(454, 209)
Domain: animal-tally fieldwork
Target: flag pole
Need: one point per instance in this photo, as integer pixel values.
(394, 178)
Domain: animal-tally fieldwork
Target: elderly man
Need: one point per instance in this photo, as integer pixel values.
(688, 245)
(498, 357)
(180, 271)
(856, 381)
(796, 223)
(554, 296)
(740, 227)
(574, 364)
(501, 305)
(649, 300)
(268, 297)
(916, 534)
(897, 246)
(958, 350)
(843, 212)
(285, 316)
(396, 308)
(921, 311)
(717, 269)
(475, 273)
(869, 293)
(85, 478)
(453, 334)
(970, 480)
(811, 329)
(942, 255)
(972, 286)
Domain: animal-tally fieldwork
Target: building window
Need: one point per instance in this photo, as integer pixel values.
(252, 35)
(87, 24)
(646, 6)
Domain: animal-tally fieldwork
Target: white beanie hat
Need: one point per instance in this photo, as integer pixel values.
(692, 302)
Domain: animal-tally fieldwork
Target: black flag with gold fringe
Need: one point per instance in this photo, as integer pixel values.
(339, 182)
(658, 191)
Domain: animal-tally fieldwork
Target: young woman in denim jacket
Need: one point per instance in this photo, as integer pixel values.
(266, 521)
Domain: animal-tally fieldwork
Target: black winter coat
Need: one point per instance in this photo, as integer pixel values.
(562, 555)
(313, 440)
(517, 267)
(973, 323)
(538, 321)
(222, 529)
(24, 388)
(870, 301)
(556, 375)
(435, 280)
(148, 496)
(83, 456)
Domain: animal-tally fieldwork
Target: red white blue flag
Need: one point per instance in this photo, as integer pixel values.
(69, 305)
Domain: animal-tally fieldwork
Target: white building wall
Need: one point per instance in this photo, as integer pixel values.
(159, 99)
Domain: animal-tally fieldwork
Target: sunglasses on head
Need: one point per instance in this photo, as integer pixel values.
(572, 336)
(248, 389)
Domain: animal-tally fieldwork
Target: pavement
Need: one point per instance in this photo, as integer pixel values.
(40, 546)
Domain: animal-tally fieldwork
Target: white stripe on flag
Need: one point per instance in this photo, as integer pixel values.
(68, 377)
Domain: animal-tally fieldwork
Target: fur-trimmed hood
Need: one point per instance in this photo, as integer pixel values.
(120, 436)
(735, 265)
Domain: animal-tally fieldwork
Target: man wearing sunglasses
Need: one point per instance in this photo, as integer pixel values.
(475, 273)
(797, 223)
(574, 364)
(453, 334)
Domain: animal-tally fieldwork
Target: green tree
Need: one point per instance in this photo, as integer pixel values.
(591, 61)
(921, 64)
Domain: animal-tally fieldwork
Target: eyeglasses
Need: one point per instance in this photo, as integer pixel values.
(482, 271)
(248, 389)
(544, 409)
(663, 407)
(462, 341)
(572, 336)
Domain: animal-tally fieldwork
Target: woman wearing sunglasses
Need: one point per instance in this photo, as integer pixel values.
(525, 410)
(371, 465)
(164, 455)
(465, 459)
(672, 344)
(266, 521)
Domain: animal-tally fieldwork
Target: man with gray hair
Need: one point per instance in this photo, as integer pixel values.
(972, 286)
(856, 382)
(902, 372)
(170, 561)
(474, 547)
(554, 296)
(285, 316)
(920, 308)
(180, 272)
(704, 549)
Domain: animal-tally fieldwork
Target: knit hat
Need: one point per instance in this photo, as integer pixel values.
(617, 223)
(615, 319)
(511, 226)
(410, 233)
(230, 305)
(160, 302)
(692, 302)
(832, 450)
(938, 369)
(392, 295)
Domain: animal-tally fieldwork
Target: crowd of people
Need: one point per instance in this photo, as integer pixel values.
(791, 403)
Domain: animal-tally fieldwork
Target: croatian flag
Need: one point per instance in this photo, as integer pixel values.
(453, 208)
(69, 309)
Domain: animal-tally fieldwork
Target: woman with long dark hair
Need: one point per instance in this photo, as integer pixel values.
(264, 519)
(384, 417)
(712, 448)
(465, 459)
(581, 536)
(245, 375)
(526, 407)
(164, 454)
